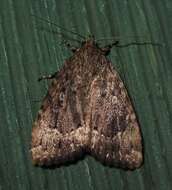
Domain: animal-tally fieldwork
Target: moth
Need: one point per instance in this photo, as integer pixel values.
(87, 110)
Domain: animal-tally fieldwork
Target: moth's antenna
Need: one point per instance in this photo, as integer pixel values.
(120, 37)
(47, 21)
(58, 33)
(139, 43)
(130, 43)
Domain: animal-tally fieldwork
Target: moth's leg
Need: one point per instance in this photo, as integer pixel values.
(106, 49)
(51, 76)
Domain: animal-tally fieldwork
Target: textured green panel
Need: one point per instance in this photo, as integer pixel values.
(27, 53)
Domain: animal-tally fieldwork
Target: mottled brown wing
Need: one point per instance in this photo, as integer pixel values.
(87, 109)
(115, 134)
(58, 134)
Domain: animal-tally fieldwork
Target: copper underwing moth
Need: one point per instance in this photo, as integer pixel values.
(87, 110)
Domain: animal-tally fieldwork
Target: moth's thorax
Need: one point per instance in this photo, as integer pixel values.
(90, 46)
(89, 61)
(90, 42)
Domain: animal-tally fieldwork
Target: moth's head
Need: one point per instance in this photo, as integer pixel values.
(89, 41)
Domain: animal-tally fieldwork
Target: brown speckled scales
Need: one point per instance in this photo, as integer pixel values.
(87, 110)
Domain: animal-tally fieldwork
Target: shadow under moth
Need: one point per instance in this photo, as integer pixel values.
(87, 110)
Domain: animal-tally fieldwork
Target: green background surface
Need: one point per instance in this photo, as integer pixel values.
(27, 52)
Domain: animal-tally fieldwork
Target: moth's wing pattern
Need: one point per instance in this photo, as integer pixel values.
(58, 134)
(87, 108)
(115, 134)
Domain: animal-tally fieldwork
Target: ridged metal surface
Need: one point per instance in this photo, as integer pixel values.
(27, 53)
